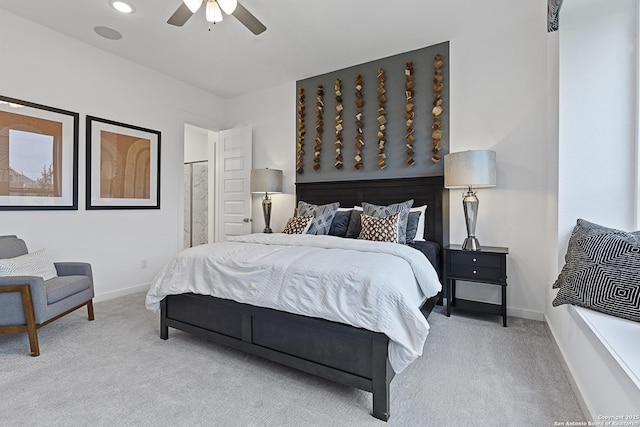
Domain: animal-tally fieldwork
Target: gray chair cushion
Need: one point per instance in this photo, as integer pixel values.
(11, 247)
(64, 286)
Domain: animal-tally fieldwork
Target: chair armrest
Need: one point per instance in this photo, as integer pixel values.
(74, 269)
(38, 291)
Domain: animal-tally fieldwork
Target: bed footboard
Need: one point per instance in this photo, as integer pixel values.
(334, 351)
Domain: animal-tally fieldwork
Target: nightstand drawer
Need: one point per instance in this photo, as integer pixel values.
(475, 272)
(475, 258)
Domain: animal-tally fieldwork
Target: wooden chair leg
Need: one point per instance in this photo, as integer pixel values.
(90, 310)
(30, 318)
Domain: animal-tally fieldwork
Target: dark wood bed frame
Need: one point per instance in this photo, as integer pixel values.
(345, 354)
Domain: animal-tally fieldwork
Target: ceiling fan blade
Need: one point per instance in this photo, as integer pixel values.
(180, 16)
(248, 20)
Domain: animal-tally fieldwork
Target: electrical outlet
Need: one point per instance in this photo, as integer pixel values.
(144, 263)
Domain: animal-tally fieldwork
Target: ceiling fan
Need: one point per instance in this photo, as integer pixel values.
(214, 11)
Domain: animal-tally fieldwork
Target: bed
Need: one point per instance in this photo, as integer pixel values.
(353, 356)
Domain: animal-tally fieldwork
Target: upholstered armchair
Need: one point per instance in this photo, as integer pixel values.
(29, 302)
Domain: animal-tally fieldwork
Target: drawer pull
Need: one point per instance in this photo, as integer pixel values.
(475, 272)
(474, 260)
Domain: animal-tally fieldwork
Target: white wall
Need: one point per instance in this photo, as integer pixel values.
(596, 172)
(196, 144)
(271, 115)
(45, 67)
(498, 101)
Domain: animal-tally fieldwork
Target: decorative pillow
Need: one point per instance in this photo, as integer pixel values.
(340, 223)
(298, 225)
(601, 271)
(354, 227)
(383, 211)
(322, 216)
(421, 222)
(380, 229)
(412, 226)
(35, 263)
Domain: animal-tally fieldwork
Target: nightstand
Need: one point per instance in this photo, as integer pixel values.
(488, 265)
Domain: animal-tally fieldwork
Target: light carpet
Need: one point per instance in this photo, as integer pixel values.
(116, 371)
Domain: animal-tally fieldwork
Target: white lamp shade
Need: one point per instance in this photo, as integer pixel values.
(214, 14)
(228, 6)
(266, 181)
(193, 5)
(470, 169)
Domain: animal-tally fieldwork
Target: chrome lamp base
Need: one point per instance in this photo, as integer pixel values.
(266, 211)
(470, 203)
(471, 244)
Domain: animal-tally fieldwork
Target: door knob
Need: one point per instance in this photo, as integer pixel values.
(246, 219)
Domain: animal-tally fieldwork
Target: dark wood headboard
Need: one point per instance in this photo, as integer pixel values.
(424, 191)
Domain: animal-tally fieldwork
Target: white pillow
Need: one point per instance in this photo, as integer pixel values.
(420, 231)
(32, 264)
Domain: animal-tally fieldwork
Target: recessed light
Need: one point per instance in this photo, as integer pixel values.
(107, 33)
(121, 6)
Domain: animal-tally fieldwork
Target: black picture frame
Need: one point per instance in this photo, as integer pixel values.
(31, 133)
(123, 165)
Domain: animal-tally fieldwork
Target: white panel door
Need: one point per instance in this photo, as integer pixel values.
(234, 176)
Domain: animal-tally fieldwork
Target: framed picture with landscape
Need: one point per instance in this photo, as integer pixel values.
(123, 166)
(38, 156)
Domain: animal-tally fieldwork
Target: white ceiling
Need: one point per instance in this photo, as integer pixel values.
(304, 38)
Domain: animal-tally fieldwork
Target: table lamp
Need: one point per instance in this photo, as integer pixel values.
(266, 181)
(471, 169)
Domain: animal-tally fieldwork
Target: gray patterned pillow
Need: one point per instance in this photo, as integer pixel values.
(382, 211)
(322, 216)
(601, 271)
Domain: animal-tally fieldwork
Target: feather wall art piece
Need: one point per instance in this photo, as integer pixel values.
(300, 133)
(437, 107)
(359, 134)
(338, 90)
(382, 119)
(319, 127)
(409, 113)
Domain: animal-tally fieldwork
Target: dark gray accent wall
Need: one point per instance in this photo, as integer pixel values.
(395, 149)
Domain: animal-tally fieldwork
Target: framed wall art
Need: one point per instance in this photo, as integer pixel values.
(123, 166)
(38, 156)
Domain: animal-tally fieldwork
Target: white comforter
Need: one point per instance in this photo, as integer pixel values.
(373, 285)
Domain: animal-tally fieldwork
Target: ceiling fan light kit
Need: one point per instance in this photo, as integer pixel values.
(214, 11)
(227, 6)
(214, 14)
(193, 5)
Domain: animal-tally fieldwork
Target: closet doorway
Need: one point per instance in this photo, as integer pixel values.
(196, 186)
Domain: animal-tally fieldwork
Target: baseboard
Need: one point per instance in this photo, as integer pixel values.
(121, 292)
(567, 371)
(525, 314)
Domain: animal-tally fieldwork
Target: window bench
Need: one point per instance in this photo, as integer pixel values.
(602, 356)
(619, 336)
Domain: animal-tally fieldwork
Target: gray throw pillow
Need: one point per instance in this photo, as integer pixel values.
(340, 223)
(355, 226)
(382, 211)
(412, 226)
(601, 271)
(322, 216)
